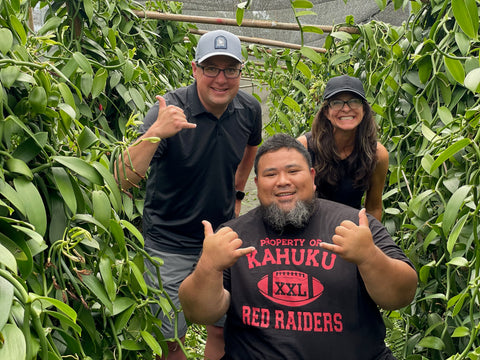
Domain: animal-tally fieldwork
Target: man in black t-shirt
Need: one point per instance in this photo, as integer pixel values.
(297, 277)
(195, 174)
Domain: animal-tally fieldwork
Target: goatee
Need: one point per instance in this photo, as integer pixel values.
(295, 219)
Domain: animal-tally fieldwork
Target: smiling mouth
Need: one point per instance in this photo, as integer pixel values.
(285, 194)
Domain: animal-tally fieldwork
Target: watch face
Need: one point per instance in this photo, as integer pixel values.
(240, 195)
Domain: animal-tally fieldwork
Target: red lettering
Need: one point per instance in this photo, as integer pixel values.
(255, 317)
(301, 259)
(291, 321)
(285, 256)
(268, 257)
(252, 262)
(265, 319)
(311, 261)
(332, 261)
(246, 315)
(337, 319)
(327, 322)
(307, 321)
(279, 319)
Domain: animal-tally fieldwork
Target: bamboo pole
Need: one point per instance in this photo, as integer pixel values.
(265, 24)
(266, 42)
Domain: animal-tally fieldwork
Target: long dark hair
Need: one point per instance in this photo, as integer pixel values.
(360, 164)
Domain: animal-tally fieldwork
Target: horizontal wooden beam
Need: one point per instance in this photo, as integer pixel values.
(265, 24)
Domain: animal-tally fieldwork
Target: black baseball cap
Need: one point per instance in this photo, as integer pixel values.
(344, 83)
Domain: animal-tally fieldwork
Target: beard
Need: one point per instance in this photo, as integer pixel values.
(295, 219)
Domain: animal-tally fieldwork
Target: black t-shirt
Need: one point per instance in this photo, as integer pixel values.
(192, 174)
(290, 299)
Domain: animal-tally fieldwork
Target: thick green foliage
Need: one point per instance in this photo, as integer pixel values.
(71, 256)
(422, 79)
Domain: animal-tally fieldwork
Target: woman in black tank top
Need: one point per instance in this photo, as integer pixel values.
(348, 160)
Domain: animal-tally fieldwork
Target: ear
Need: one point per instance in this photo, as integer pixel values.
(256, 181)
(194, 69)
(312, 174)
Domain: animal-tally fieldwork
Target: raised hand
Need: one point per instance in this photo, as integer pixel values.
(170, 120)
(353, 242)
(223, 248)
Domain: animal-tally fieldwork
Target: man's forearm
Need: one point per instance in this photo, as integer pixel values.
(203, 298)
(132, 165)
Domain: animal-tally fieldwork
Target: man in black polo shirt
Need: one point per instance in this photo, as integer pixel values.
(198, 173)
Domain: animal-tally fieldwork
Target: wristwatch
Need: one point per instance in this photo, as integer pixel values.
(239, 195)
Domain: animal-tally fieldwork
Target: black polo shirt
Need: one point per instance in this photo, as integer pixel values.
(192, 174)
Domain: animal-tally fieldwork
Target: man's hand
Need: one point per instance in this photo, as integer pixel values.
(170, 120)
(223, 248)
(352, 242)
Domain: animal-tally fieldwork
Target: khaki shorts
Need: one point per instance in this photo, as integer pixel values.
(175, 268)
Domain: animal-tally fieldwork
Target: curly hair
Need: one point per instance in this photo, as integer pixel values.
(360, 164)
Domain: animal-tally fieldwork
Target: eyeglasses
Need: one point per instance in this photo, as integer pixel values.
(339, 104)
(211, 71)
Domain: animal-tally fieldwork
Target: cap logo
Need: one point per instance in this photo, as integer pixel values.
(220, 42)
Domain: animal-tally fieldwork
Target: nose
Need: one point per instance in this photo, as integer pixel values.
(283, 179)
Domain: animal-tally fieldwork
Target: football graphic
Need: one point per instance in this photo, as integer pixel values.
(291, 288)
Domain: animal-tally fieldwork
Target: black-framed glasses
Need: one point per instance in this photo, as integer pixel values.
(338, 104)
(212, 71)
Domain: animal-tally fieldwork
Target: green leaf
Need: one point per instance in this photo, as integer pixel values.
(302, 4)
(291, 103)
(52, 23)
(67, 95)
(81, 167)
(97, 290)
(12, 196)
(33, 204)
(19, 29)
(99, 83)
(312, 29)
(87, 4)
(445, 115)
(6, 293)
(453, 206)
(7, 259)
(455, 68)
(105, 268)
(311, 54)
(83, 62)
(18, 167)
(38, 99)
(461, 331)
(151, 342)
(458, 261)
(466, 14)
(130, 227)
(86, 83)
(457, 229)
(138, 276)
(87, 138)
(449, 152)
(64, 185)
(472, 80)
(60, 305)
(239, 13)
(115, 194)
(14, 345)
(6, 40)
(137, 99)
(432, 342)
(101, 207)
(304, 69)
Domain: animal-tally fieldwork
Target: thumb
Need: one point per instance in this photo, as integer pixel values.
(207, 228)
(161, 101)
(362, 218)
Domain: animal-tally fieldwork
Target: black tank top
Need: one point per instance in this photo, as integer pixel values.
(344, 192)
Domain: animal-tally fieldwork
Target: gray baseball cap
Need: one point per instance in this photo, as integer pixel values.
(344, 83)
(218, 42)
